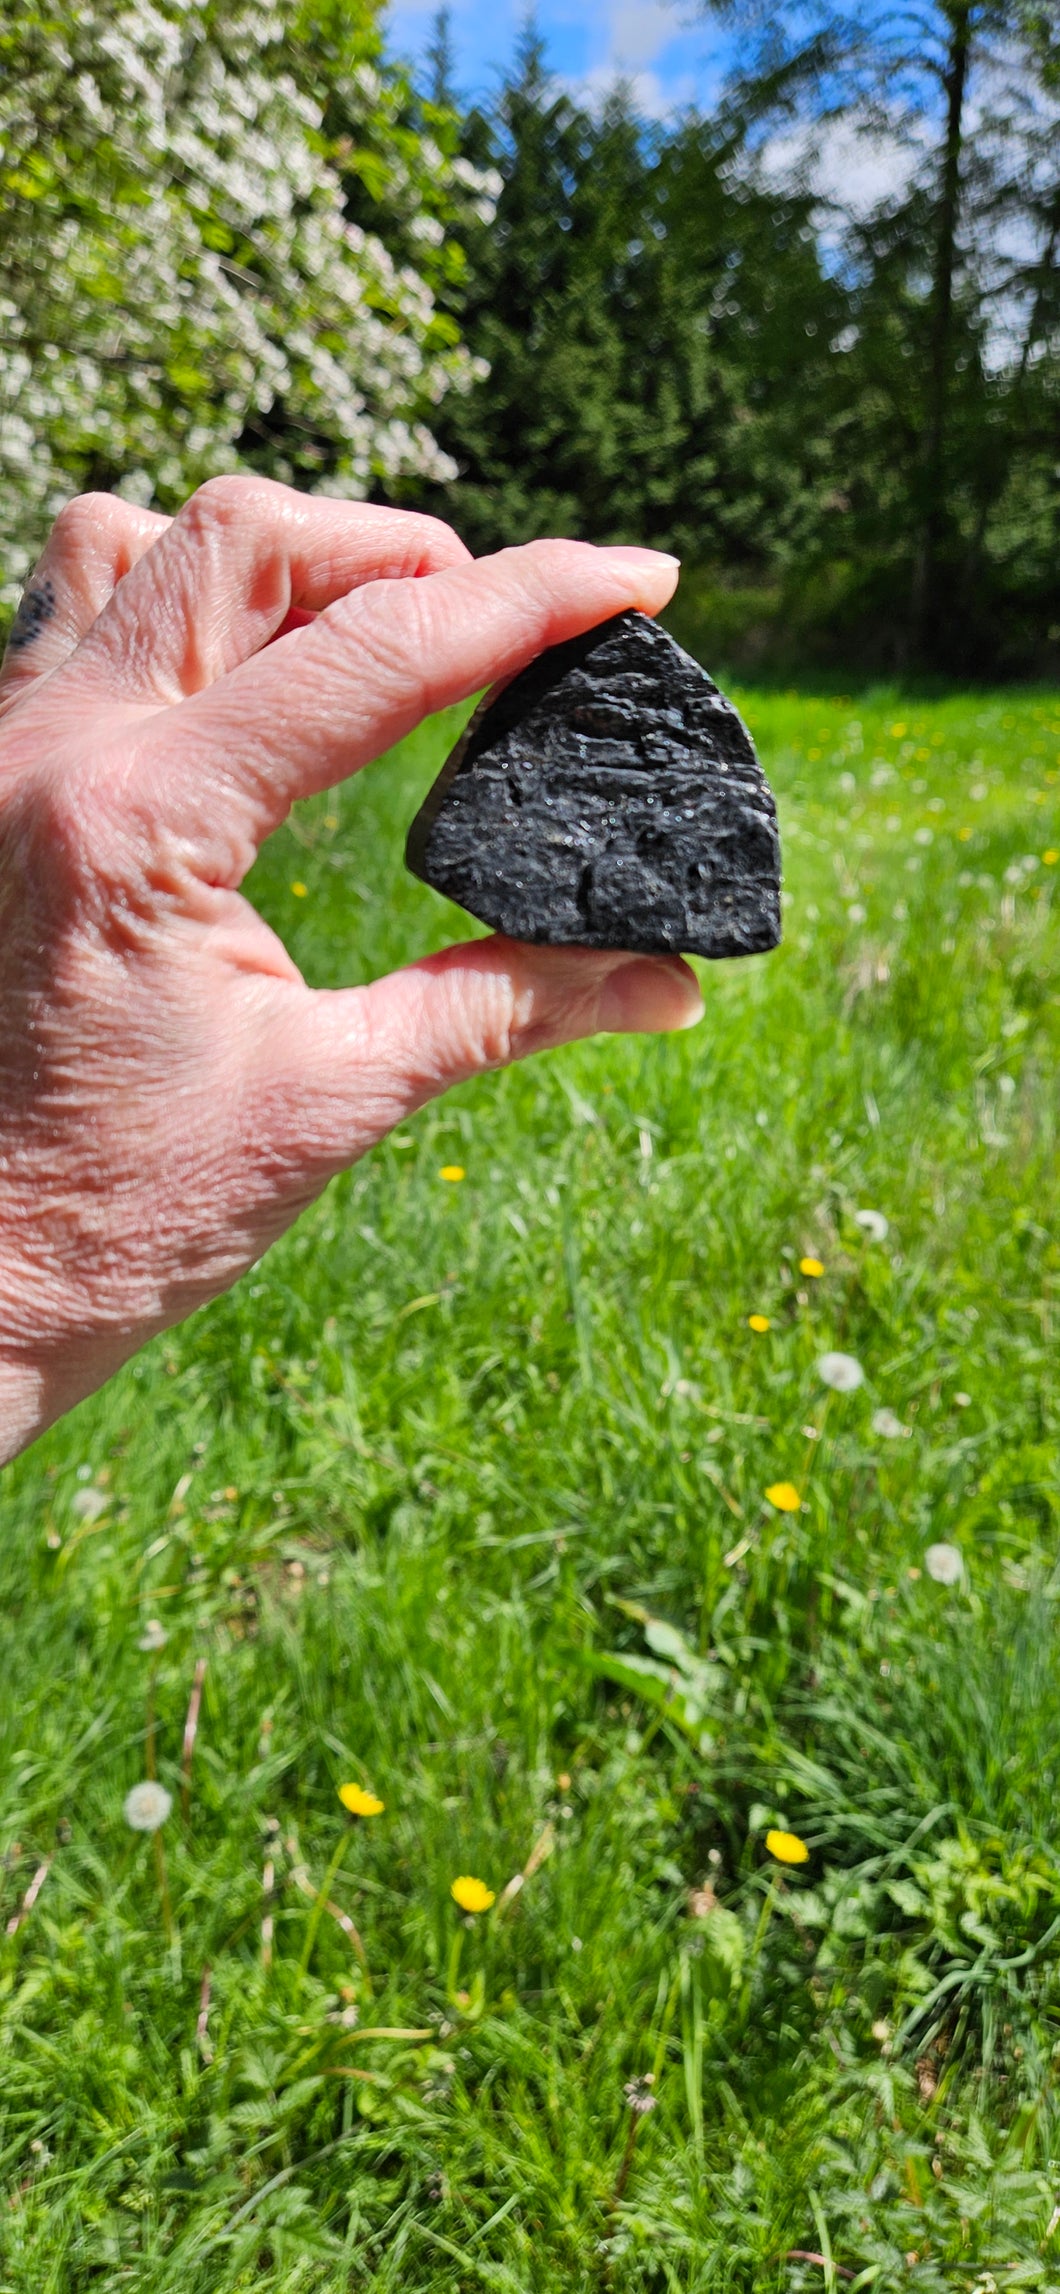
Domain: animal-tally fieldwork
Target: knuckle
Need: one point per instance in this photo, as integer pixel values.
(232, 494)
(438, 541)
(226, 501)
(77, 526)
(394, 623)
(475, 1025)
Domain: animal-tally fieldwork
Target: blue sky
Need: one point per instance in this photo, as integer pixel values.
(670, 61)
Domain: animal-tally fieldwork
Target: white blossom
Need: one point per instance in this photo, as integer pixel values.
(154, 1636)
(873, 1224)
(178, 261)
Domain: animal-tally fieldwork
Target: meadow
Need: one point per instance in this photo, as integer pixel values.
(461, 1500)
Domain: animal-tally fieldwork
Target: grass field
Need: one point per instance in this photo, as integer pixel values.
(460, 1497)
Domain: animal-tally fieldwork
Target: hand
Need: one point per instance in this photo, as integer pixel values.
(172, 1095)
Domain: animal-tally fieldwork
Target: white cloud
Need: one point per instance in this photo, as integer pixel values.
(653, 97)
(637, 30)
(851, 169)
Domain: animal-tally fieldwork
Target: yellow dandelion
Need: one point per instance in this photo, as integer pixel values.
(758, 1322)
(787, 1848)
(472, 1895)
(454, 1172)
(897, 732)
(784, 1496)
(359, 1802)
(300, 890)
(964, 834)
(1050, 858)
(811, 1266)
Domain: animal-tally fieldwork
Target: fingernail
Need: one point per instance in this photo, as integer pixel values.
(649, 996)
(624, 554)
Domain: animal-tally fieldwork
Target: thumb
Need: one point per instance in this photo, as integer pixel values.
(361, 1059)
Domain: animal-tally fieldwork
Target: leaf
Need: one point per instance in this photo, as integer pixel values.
(668, 1642)
(660, 1686)
(725, 1943)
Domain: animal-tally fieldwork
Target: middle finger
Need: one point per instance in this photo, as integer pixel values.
(240, 556)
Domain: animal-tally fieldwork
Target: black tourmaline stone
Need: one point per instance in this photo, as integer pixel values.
(610, 797)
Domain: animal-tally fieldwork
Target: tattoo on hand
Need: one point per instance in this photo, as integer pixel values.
(36, 608)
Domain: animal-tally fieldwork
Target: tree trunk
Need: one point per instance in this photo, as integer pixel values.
(933, 461)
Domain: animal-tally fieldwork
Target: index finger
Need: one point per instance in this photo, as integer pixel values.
(325, 700)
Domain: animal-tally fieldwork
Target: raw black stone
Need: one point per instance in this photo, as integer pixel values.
(610, 797)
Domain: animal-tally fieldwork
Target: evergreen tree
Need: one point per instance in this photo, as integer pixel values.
(948, 268)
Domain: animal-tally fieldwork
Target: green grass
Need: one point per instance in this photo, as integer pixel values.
(415, 1493)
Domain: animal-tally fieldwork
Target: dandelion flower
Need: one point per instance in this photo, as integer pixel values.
(758, 1322)
(873, 1224)
(472, 1895)
(147, 1806)
(811, 1266)
(1050, 858)
(945, 1563)
(784, 1496)
(454, 1172)
(360, 1803)
(154, 1636)
(889, 1425)
(787, 1848)
(301, 891)
(842, 1372)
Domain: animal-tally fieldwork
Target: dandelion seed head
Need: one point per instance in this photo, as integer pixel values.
(89, 1504)
(889, 1425)
(945, 1563)
(873, 1224)
(147, 1806)
(842, 1372)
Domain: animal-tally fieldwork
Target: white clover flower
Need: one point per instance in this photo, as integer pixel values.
(842, 1372)
(154, 1635)
(889, 1425)
(945, 1563)
(873, 1224)
(147, 1806)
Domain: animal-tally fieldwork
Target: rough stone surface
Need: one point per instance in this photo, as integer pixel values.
(610, 797)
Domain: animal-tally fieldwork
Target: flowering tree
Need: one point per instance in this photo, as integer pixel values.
(188, 282)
